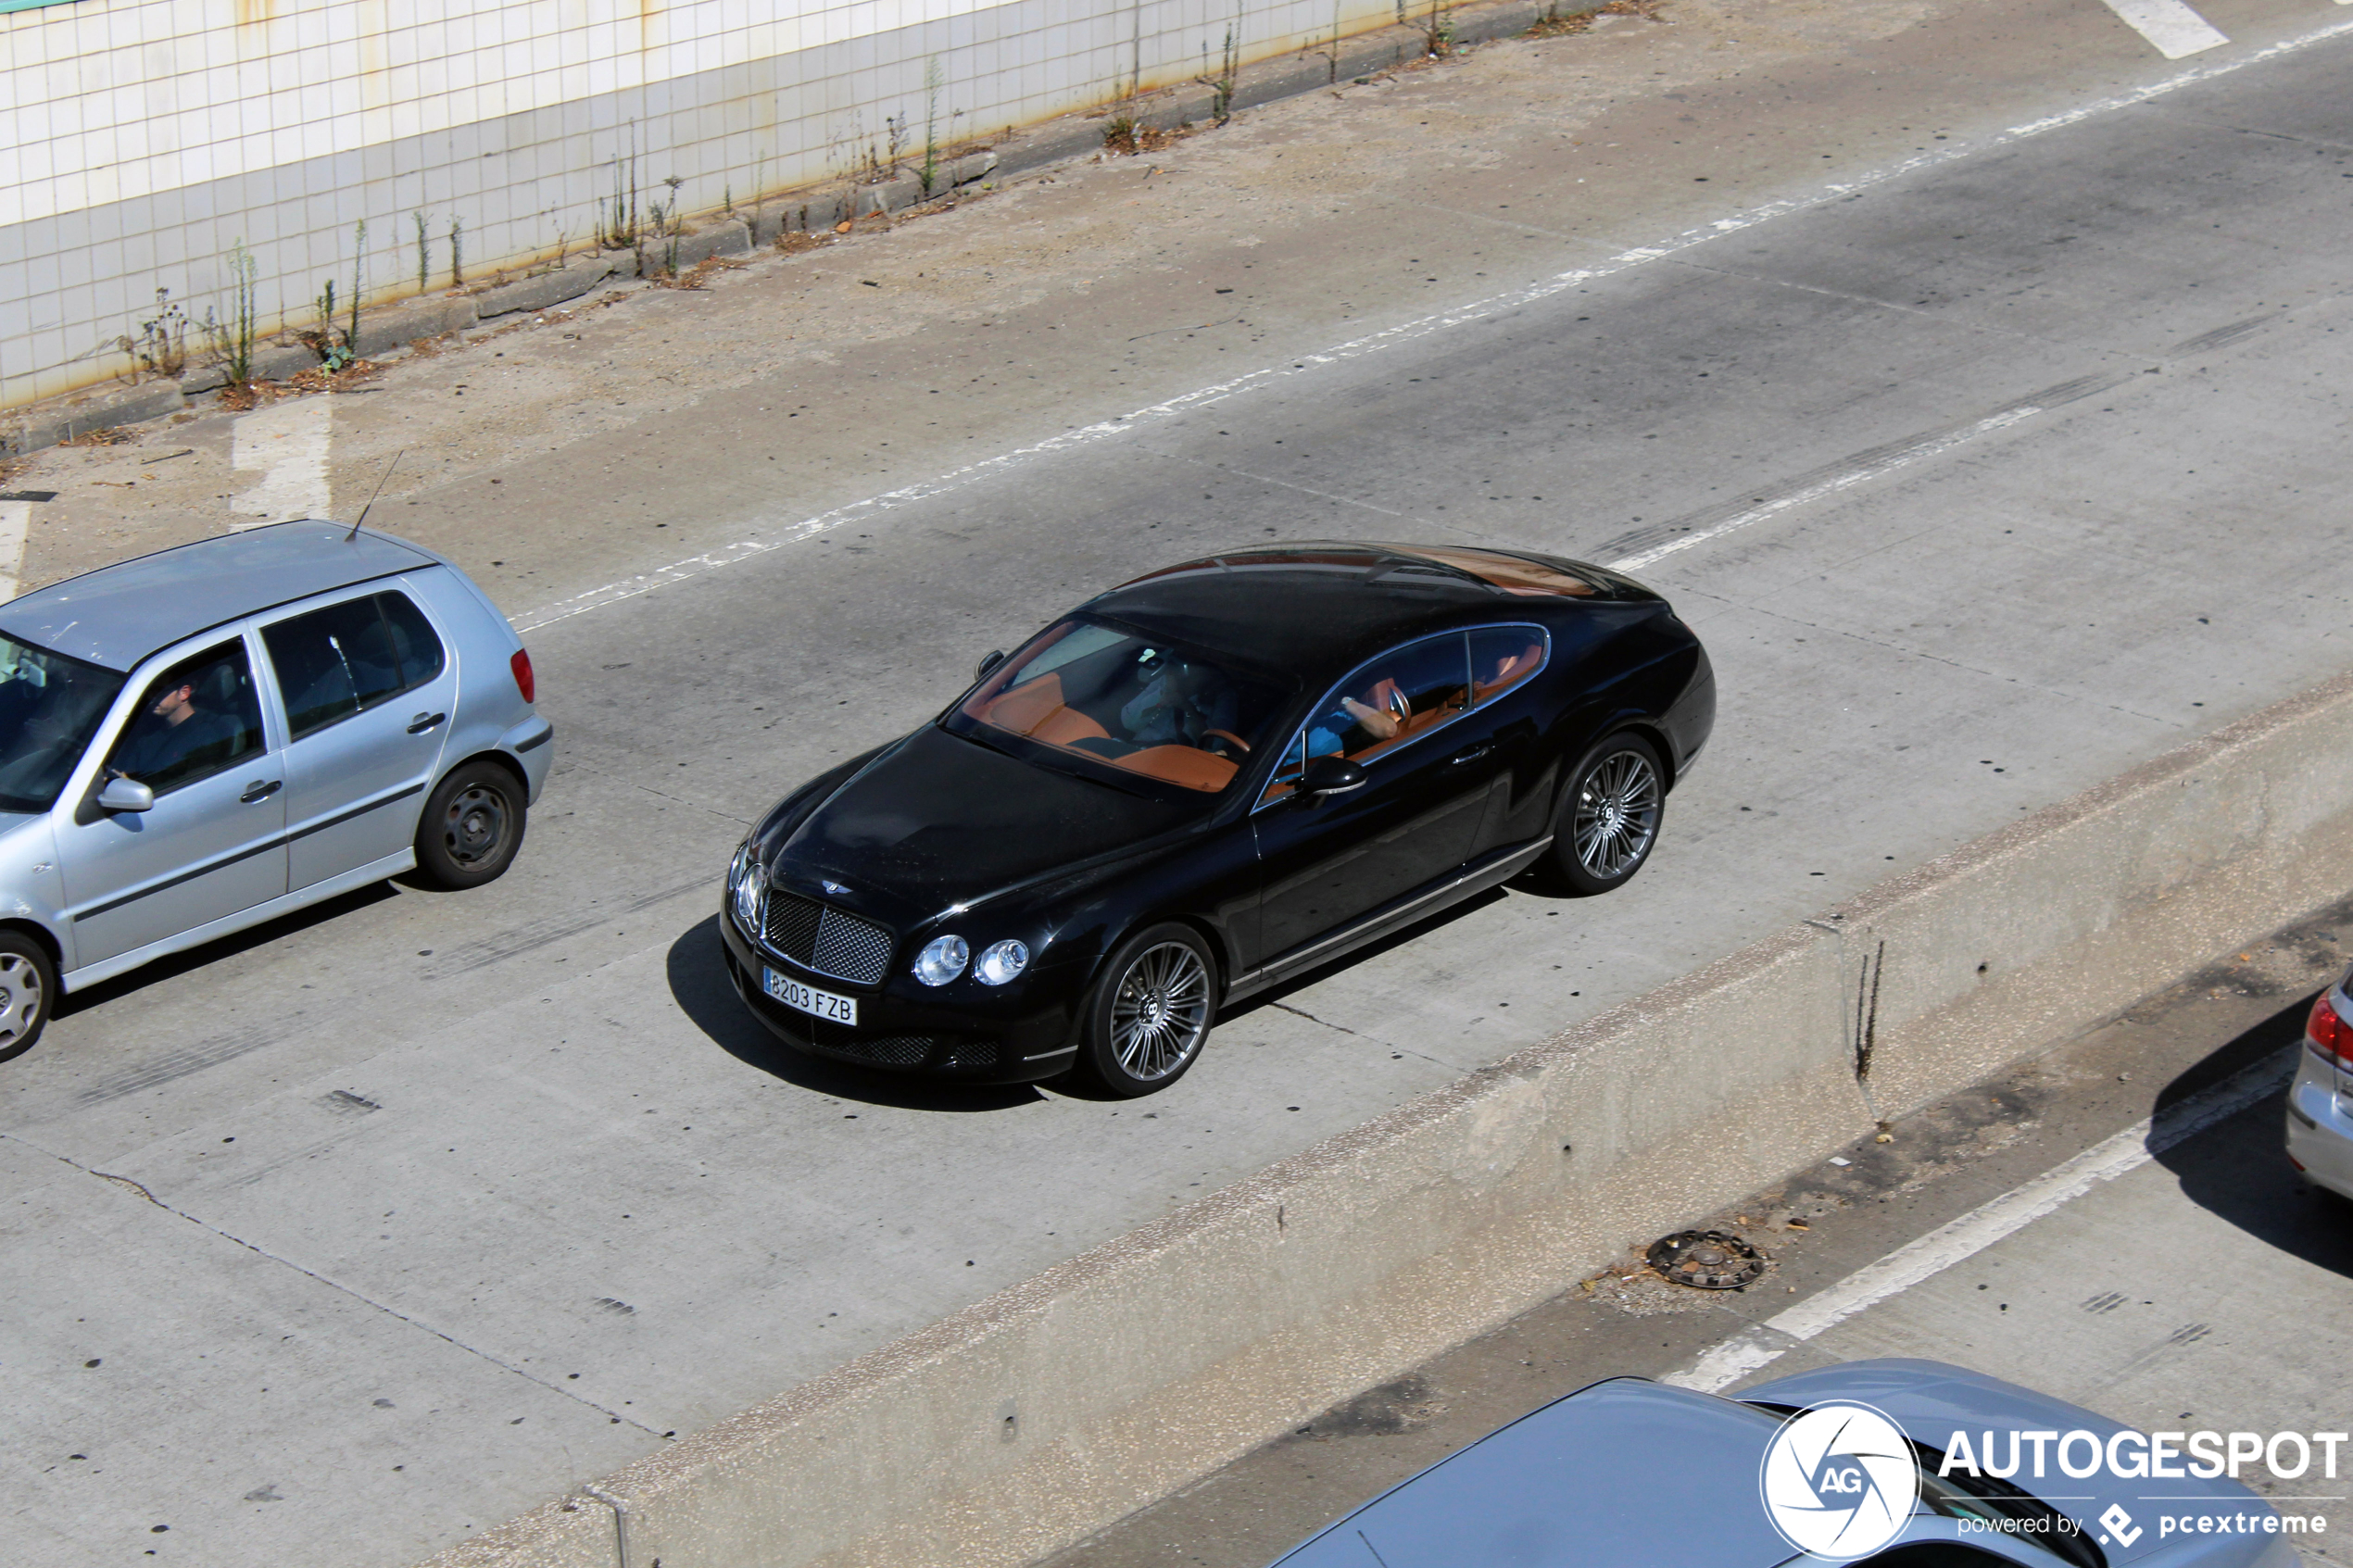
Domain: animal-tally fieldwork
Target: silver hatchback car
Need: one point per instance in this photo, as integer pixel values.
(200, 739)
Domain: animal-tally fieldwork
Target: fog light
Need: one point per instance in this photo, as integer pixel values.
(1000, 963)
(942, 960)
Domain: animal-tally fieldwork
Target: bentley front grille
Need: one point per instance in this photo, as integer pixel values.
(828, 940)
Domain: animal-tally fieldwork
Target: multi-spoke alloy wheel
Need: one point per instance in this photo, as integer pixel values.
(1617, 814)
(1151, 1012)
(1161, 1011)
(1609, 816)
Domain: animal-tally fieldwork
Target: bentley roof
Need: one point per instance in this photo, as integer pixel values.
(1304, 607)
(118, 615)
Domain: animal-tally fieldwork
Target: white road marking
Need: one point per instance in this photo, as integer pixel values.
(288, 443)
(1479, 310)
(2170, 25)
(1979, 1228)
(16, 520)
(1833, 485)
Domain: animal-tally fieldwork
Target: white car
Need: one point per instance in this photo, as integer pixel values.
(2320, 1103)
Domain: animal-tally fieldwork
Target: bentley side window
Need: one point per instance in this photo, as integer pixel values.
(345, 658)
(1501, 657)
(1398, 698)
(194, 719)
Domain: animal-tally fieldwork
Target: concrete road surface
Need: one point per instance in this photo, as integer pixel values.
(1993, 453)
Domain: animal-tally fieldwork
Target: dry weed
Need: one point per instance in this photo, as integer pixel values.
(104, 435)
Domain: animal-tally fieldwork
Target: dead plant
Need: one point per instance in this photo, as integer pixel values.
(104, 435)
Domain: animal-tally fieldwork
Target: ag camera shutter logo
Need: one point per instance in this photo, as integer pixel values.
(1839, 1480)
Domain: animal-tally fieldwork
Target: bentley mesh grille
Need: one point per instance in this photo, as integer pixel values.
(828, 940)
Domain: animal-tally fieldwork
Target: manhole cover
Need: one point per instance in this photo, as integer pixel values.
(1705, 1259)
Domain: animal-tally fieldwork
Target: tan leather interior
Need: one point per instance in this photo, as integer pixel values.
(1179, 765)
(1036, 709)
(1027, 707)
(1067, 724)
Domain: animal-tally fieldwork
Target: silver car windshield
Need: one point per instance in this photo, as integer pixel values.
(49, 706)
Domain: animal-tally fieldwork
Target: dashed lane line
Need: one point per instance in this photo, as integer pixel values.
(1355, 349)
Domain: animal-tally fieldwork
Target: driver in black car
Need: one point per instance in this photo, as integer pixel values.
(1180, 705)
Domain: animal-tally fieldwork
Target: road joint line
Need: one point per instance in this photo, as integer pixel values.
(365, 1300)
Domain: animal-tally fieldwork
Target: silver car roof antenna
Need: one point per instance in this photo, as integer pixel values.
(373, 495)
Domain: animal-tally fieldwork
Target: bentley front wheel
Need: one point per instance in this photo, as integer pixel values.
(1151, 1012)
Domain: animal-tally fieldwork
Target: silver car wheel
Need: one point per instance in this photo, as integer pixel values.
(475, 828)
(1160, 1012)
(22, 998)
(1617, 814)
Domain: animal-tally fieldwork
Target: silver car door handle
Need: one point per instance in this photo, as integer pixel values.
(1470, 754)
(259, 790)
(424, 721)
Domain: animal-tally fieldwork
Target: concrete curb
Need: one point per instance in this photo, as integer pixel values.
(1027, 1421)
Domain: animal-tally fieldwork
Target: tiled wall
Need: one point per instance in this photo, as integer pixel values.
(141, 139)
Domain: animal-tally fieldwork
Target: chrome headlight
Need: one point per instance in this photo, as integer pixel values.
(942, 960)
(1000, 961)
(744, 884)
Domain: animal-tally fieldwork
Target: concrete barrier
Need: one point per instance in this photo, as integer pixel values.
(1049, 1410)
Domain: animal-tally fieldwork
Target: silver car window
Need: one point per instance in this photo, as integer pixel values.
(194, 719)
(344, 658)
(50, 706)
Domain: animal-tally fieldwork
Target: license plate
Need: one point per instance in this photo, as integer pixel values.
(809, 999)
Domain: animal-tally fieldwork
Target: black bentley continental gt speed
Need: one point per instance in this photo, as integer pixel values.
(1206, 782)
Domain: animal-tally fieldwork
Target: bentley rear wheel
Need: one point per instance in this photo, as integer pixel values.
(1609, 815)
(1151, 1012)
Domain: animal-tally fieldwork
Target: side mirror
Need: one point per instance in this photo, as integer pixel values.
(126, 794)
(990, 661)
(1331, 775)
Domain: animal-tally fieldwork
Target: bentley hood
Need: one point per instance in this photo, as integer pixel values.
(936, 820)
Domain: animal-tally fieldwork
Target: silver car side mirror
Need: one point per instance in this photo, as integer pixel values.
(126, 794)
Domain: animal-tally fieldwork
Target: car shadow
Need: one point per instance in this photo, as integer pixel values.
(1274, 994)
(160, 971)
(2239, 1170)
(698, 975)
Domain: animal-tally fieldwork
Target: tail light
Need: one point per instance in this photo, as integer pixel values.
(2330, 1036)
(521, 665)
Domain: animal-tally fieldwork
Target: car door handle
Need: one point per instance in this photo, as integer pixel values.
(424, 721)
(259, 790)
(1470, 754)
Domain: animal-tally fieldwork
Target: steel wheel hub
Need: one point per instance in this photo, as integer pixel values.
(477, 825)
